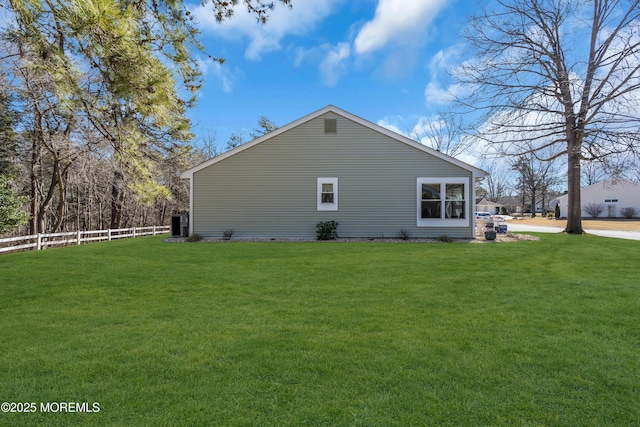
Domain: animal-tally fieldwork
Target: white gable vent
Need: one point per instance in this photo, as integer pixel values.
(330, 126)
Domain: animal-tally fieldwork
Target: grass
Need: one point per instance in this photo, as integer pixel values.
(374, 334)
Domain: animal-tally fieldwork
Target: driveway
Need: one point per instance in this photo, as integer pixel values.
(629, 235)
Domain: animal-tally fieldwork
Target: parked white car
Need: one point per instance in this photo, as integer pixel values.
(483, 215)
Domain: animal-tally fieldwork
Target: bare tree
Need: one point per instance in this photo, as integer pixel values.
(206, 148)
(592, 173)
(535, 179)
(445, 133)
(557, 78)
(496, 183)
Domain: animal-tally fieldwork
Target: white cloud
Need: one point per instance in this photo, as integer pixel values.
(443, 64)
(332, 60)
(299, 19)
(311, 56)
(386, 123)
(443, 60)
(213, 69)
(399, 21)
(435, 94)
(333, 64)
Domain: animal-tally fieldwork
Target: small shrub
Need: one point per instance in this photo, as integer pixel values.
(195, 237)
(444, 238)
(228, 234)
(557, 211)
(594, 210)
(628, 212)
(327, 230)
(404, 234)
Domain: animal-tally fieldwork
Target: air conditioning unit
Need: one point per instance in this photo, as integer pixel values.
(180, 225)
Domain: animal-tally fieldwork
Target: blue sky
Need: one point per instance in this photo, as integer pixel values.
(383, 60)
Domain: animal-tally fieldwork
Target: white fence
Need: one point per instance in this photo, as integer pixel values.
(42, 241)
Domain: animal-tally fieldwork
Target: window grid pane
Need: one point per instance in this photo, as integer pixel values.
(430, 191)
(455, 191)
(454, 209)
(431, 209)
(327, 197)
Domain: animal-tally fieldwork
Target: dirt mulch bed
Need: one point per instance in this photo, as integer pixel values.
(507, 237)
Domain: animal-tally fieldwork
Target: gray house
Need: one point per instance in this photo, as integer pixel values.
(332, 165)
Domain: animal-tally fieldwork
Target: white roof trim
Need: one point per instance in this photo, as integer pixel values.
(477, 173)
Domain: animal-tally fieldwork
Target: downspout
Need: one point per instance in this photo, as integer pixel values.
(191, 205)
(472, 205)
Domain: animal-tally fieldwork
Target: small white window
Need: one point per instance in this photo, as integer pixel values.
(327, 194)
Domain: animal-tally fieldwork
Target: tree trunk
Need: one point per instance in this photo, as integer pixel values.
(574, 213)
(533, 203)
(61, 202)
(35, 200)
(117, 196)
(44, 207)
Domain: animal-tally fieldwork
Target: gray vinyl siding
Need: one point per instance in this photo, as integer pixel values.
(269, 190)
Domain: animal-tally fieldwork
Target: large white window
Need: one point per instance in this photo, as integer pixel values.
(327, 194)
(443, 202)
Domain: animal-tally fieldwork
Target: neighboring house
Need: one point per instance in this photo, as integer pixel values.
(511, 204)
(332, 165)
(484, 205)
(613, 194)
(514, 205)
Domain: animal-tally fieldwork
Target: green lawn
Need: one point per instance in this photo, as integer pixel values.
(533, 333)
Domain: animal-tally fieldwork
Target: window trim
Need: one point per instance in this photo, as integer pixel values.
(442, 221)
(327, 206)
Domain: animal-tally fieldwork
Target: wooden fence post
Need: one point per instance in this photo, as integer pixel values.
(39, 242)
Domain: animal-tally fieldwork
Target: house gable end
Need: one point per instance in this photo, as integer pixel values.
(330, 113)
